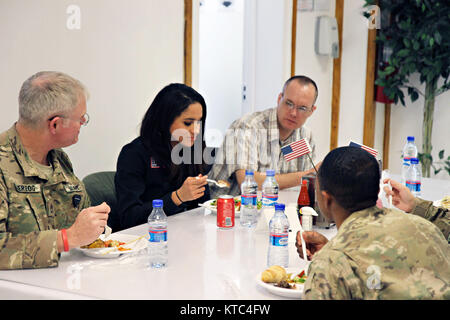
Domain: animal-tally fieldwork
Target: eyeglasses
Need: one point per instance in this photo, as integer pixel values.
(292, 106)
(84, 120)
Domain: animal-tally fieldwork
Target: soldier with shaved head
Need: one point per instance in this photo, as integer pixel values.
(377, 253)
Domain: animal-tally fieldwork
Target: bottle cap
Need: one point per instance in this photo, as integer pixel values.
(414, 161)
(410, 138)
(249, 173)
(157, 203)
(270, 173)
(279, 207)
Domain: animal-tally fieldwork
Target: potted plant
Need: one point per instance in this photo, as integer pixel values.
(417, 33)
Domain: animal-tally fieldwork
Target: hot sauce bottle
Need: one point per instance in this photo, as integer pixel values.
(303, 198)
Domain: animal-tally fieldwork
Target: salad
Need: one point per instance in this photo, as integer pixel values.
(299, 278)
(237, 203)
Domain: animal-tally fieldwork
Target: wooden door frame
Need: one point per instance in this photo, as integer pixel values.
(294, 36)
(188, 42)
(336, 93)
(369, 104)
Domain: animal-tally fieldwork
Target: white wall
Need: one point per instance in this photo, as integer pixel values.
(272, 51)
(404, 120)
(125, 52)
(320, 69)
(249, 46)
(353, 73)
(407, 121)
(221, 49)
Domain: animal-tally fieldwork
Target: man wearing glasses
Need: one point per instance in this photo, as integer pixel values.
(44, 207)
(254, 142)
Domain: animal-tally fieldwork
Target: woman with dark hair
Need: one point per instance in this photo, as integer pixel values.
(165, 161)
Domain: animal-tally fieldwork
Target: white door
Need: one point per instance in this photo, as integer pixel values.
(243, 58)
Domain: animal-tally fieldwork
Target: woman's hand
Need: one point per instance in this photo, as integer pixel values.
(192, 188)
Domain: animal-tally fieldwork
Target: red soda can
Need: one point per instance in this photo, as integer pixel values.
(225, 212)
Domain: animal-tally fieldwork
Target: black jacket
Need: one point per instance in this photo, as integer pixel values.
(139, 180)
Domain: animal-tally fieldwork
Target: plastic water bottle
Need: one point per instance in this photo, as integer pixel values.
(270, 189)
(249, 197)
(157, 244)
(409, 152)
(413, 177)
(278, 240)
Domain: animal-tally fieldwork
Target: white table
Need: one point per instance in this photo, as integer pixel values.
(204, 263)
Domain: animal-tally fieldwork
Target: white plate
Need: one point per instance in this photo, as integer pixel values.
(213, 209)
(108, 253)
(283, 292)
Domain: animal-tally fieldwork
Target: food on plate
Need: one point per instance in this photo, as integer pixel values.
(278, 276)
(96, 244)
(284, 284)
(237, 204)
(445, 202)
(274, 274)
(299, 278)
(99, 243)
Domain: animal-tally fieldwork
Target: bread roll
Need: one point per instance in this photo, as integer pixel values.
(274, 274)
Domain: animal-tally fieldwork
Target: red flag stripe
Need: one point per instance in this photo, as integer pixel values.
(370, 150)
(299, 148)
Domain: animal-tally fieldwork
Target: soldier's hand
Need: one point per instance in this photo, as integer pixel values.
(314, 241)
(402, 197)
(88, 226)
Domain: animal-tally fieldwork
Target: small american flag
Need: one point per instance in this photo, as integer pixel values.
(296, 149)
(368, 149)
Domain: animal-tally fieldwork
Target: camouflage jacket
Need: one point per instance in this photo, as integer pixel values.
(439, 216)
(381, 254)
(33, 206)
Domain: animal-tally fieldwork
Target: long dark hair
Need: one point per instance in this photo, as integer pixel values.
(168, 104)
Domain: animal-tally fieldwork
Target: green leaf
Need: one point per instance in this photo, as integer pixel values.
(407, 42)
(431, 42)
(438, 37)
(380, 82)
(403, 53)
(441, 154)
(389, 70)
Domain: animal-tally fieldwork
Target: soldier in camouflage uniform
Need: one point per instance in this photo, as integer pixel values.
(377, 253)
(403, 199)
(39, 192)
